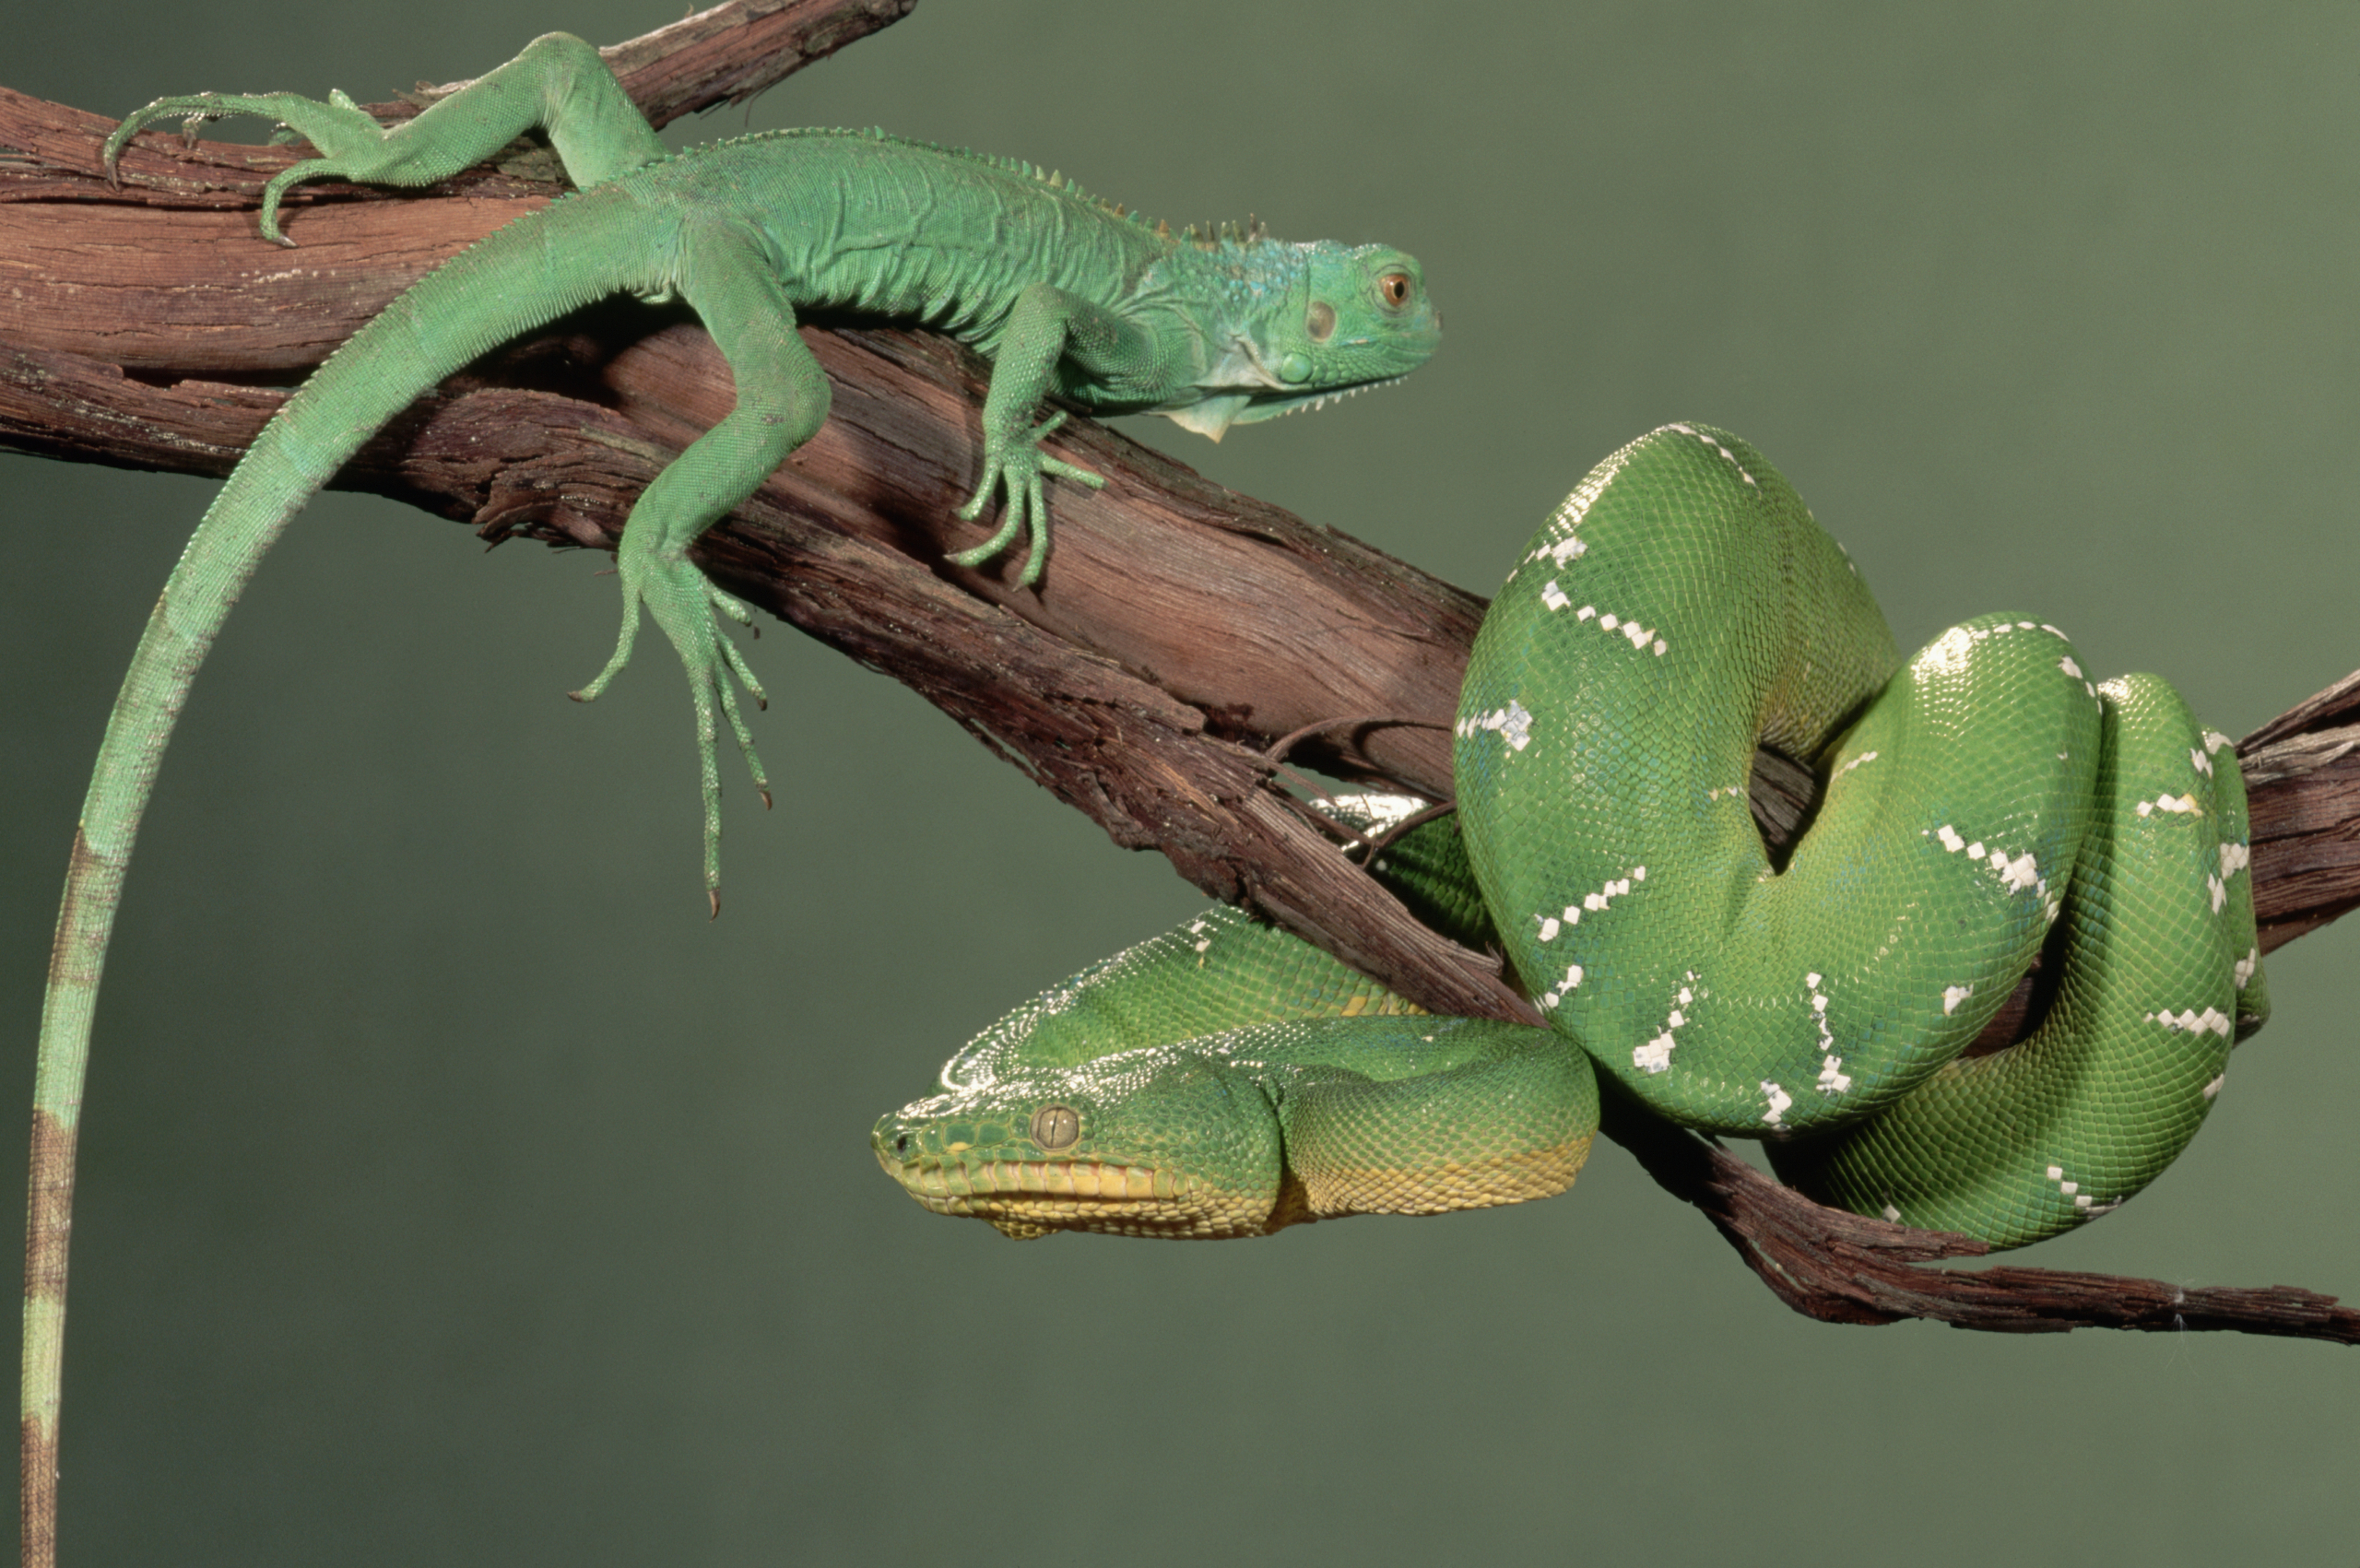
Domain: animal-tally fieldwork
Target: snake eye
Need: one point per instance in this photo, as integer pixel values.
(1320, 322)
(1395, 287)
(1057, 1126)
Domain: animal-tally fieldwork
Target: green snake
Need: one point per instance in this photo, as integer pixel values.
(1985, 808)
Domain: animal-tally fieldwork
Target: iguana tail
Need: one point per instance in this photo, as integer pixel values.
(527, 274)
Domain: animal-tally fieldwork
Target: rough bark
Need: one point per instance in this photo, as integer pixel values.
(1182, 630)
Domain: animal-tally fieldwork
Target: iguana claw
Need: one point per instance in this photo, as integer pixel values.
(683, 603)
(1019, 466)
(353, 145)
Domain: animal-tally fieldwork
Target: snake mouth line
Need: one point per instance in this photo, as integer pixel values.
(1036, 1196)
(937, 1184)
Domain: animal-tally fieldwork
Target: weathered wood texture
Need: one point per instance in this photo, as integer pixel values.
(1182, 629)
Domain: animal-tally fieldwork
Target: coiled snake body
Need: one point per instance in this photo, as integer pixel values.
(1680, 608)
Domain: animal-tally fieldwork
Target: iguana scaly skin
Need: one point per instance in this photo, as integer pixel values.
(1071, 297)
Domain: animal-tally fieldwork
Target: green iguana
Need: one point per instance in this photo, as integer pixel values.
(1071, 298)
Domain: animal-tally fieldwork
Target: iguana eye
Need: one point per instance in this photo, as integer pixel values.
(1395, 287)
(1057, 1126)
(1320, 321)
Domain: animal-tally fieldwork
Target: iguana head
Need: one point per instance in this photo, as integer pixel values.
(1160, 1141)
(1305, 323)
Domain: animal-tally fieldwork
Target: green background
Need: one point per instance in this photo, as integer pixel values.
(452, 1191)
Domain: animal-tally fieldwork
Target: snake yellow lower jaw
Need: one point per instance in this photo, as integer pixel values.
(1025, 1198)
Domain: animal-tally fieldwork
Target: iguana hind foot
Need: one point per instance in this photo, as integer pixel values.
(683, 603)
(559, 85)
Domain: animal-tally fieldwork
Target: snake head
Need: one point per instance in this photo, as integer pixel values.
(1161, 1141)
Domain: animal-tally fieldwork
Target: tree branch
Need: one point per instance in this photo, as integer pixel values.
(1182, 629)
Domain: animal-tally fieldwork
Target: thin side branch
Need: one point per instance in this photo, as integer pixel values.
(1183, 630)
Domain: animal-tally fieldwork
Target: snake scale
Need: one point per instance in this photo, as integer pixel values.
(1986, 807)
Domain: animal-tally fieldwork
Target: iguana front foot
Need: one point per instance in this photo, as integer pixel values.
(353, 146)
(1017, 465)
(683, 603)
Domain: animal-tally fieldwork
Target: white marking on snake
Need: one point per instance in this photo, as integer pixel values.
(2186, 803)
(1726, 456)
(1564, 987)
(2015, 875)
(1953, 996)
(2235, 857)
(1655, 1056)
(1892, 1214)
(1833, 1080)
(1638, 634)
(2189, 1021)
(2215, 1087)
(1553, 597)
(1779, 1100)
(2070, 667)
(1614, 888)
(1573, 507)
(2203, 764)
(2219, 891)
(2085, 1205)
(2214, 740)
(1514, 722)
(2242, 969)
(1864, 756)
